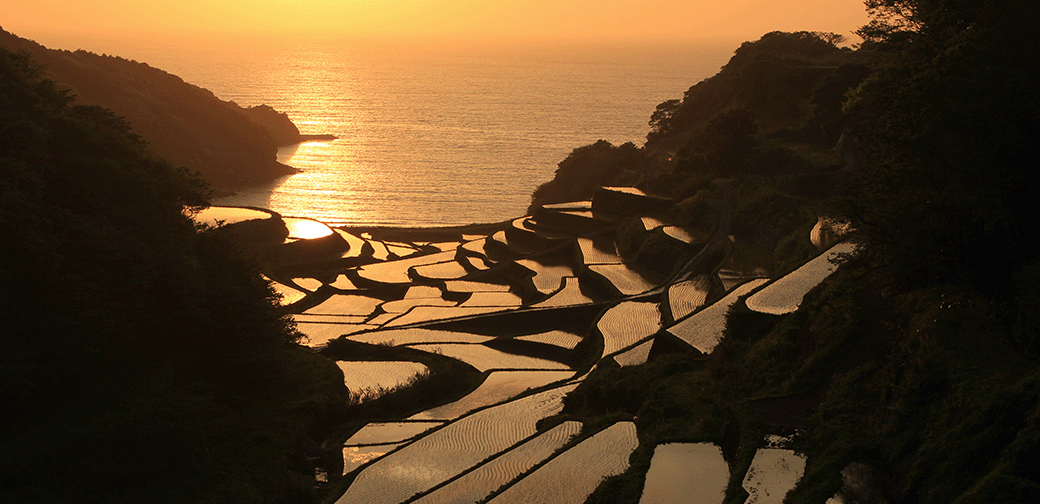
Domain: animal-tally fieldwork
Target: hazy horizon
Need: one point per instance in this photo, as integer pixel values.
(66, 24)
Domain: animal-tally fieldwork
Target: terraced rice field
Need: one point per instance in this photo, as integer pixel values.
(635, 356)
(499, 386)
(471, 286)
(421, 314)
(484, 358)
(591, 254)
(500, 299)
(448, 452)
(627, 323)
(686, 473)
(772, 474)
(682, 234)
(686, 297)
(574, 474)
(306, 229)
(357, 456)
(355, 244)
(627, 281)
(475, 263)
(569, 295)
(561, 339)
(441, 271)
(403, 305)
(379, 433)
(346, 304)
(307, 284)
(219, 215)
(786, 293)
(396, 272)
(288, 295)
(320, 333)
(703, 330)
(343, 283)
(416, 335)
(546, 278)
(331, 319)
(652, 223)
(478, 484)
(366, 378)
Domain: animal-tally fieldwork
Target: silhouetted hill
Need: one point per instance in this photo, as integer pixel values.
(185, 124)
(774, 109)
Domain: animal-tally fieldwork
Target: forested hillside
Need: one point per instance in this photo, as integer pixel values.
(142, 359)
(912, 374)
(187, 125)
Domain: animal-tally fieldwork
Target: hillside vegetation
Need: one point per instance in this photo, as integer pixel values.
(142, 359)
(186, 125)
(912, 374)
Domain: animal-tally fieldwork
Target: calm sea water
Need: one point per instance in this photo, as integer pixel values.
(439, 137)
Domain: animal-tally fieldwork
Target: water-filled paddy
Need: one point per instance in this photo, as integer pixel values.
(569, 295)
(421, 314)
(441, 271)
(389, 432)
(306, 229)
(417, 335)
(479, 483)
(367, 378)
(484, 358)
(288, 295)
(574, 474)
(346, 304)
(499, 386)
(591, 254)
(772, 474)
(221, 215)
(357, 456)
(471, 286)
(627, 323)
(320, 333)
(703, 330)
(560, 339)
(686, 297)
(403, 305)
(448, 452)
(635, 356)
(396, 272)
(786, 293)
(686, 473)
(355, 244)
(502, 299)
(627, 281)
(547, 278)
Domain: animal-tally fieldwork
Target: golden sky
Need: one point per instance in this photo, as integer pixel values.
(513, 20)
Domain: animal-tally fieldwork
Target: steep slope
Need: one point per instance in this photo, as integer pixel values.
(184, 124)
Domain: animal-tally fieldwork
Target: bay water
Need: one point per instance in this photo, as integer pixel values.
(438, 136)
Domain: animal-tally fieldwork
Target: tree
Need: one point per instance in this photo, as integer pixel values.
(949, 125)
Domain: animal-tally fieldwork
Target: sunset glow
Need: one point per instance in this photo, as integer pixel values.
(443, 20)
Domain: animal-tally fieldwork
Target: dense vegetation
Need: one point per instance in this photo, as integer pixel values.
(142, 359)
(911, 375)
(229, 145)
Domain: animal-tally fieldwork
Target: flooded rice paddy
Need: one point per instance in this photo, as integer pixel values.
(773, 473)
(532, 304)
(486, 478)
(366, 379)
(498, 387)
(703, 330)
(686, 473)
(786, 293)
(574, 474)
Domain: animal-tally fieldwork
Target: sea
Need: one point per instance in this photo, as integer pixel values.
(438, 136)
